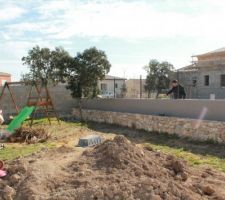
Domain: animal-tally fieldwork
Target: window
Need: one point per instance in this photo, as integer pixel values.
(116, 85)
(103, 86)
(222, 80)
(194, 83)
(206, 80)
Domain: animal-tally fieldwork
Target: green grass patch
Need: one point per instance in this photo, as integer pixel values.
(191, 158)
(13, 151)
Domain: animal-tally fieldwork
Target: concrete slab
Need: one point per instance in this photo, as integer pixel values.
(89, 140)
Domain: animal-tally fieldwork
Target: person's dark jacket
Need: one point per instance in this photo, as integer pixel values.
(178, 92)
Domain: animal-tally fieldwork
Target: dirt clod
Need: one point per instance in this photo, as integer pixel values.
(9, 192)
(208, 190)
(29, 135)
(14, 179)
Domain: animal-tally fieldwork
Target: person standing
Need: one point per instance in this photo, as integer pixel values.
(177, 90)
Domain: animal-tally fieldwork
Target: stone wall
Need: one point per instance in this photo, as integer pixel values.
(195, 129)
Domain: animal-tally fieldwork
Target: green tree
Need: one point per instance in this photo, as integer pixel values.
(158, 76)
(47, 65)
(87, 69)
(123, 90)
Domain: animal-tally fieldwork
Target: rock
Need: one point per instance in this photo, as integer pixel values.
(9, 192)
(109, 194)
(81, 174)
(176, 165)
(207, 190)
(15, 178)
(156, 197)
(204, 175)
(148, 148)
(184, 176)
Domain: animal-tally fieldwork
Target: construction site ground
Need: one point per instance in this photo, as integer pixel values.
(140, 165)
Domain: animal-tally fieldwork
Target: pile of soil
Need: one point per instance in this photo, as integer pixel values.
(114, 170)
(29, 135)
(118, 169)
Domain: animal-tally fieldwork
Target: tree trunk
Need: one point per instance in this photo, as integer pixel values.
(157, 95)
(80, 109)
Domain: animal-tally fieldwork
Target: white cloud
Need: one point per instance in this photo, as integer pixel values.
(10, 11)
(48, 22)
(126, 20)
(131, 20)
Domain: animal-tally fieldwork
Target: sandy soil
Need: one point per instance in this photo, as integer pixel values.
(116, 169)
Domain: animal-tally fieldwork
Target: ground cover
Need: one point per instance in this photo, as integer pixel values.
(67, 166)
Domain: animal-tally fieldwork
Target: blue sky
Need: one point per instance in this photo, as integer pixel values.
(130, 32)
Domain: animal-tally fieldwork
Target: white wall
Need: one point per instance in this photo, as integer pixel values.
(195, 109)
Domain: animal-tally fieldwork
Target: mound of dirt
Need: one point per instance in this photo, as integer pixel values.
(29, 135)
(118, 169)
(113, 170)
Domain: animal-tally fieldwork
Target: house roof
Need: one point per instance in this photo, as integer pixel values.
(221, 50)
(4, 74)
(135, 80)
(109, 77)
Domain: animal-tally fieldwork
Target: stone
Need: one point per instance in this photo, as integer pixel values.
(184, 176)
(15, 178)
(9, 192)
(171, 125)
(208, 190)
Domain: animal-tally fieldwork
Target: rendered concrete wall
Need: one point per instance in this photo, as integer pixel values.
(214, 83)
(195, 129)
(61, 97)
(206, 109)
(200, 91)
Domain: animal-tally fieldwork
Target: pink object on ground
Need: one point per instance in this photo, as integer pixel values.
(2, 173)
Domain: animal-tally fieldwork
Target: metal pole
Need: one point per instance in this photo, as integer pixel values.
(178, 83)
(140, 87)
(114, 88)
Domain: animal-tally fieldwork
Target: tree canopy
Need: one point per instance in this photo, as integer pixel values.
(158, 76)
(47, 65)
(88, 67)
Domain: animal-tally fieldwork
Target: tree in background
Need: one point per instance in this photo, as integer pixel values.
(47, 65)
(158, 76)
(123, 90)
(87, 69)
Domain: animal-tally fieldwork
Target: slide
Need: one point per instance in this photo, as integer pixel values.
(20, 118)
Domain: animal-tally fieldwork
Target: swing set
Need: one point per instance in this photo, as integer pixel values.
(38, 103)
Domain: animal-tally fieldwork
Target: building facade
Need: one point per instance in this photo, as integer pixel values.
(4, 77)
(136, 88)
(205, 77)
(112, 85)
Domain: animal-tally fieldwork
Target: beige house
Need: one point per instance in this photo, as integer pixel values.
(4, 77)
(136, 88)
(111, 84)
(205, 77)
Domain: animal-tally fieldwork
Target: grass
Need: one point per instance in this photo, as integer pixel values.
(191, 158)
(15, 150)
(195, 153)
